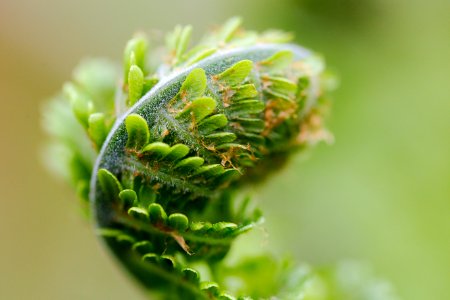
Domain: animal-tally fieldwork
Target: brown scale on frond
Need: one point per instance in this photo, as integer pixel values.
(276, 112)
(227, 93)
(165, 133)
(133, 151)
(193, 126)
(265, 82)
(312, 129)
(228, 156)
(302, 67)
(183, 97)
(157, 187)
(236, 126)
(252, 154)
(209, 147)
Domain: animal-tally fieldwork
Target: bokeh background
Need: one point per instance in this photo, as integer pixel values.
(380, 194)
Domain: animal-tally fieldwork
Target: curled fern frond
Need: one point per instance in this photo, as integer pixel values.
(173, 146)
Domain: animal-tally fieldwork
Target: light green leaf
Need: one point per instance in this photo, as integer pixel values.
(135, 52)
(246, 107)
(109, 232)
(149, 83)
(156, 149)
(302, 90)
(176, 152)
(200, 55)
(224, 296)
(200, 227)
(245, 91)
(194, 85)
(146, 196)
(212, 123)
(198, 109)
(211, 288)
(277, 62)
(228, 176)
(190, 163)
(224, 228)
(135, 84)
(97, 129)
(182, 42)
(229, 29)
(280, 87)
(138, 133)
(276, 36)
(236, 74)
(82, 106)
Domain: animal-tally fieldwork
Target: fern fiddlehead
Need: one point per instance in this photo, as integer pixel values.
(175, 144)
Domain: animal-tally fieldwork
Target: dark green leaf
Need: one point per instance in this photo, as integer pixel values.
(128, 197)
(249, 124)
(228, 176)
(157, 214)
(178, 222)
(210, 170)
(212, 123)
(246, 107)
(191, 275)
(150, 258)
(211, 288)
(167, 262)
(138, 213)
(200, 227)
(143, 247)
(220, 138)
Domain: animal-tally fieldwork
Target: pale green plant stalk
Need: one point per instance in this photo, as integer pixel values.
(160, 161)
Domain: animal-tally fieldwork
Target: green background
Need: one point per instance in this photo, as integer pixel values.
(380, 193)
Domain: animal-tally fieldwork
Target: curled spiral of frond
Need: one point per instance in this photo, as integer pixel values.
(175, 143)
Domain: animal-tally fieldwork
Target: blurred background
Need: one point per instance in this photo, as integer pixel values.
(380, 194)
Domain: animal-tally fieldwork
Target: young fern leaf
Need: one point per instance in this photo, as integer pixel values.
(168, 173)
